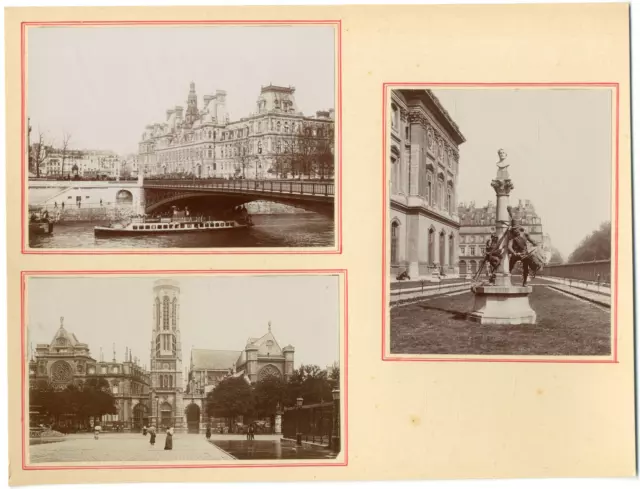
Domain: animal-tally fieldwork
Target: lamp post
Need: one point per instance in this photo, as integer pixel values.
(299, 402)
(157, 413)
(335, 439)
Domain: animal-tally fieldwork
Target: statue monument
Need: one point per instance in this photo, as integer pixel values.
(501, 302)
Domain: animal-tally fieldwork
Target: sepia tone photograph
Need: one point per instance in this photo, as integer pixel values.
(500, 220)
(180, 137)
(179, 368)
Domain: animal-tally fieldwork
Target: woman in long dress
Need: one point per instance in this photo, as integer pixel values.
(168, 442)
(152, 436)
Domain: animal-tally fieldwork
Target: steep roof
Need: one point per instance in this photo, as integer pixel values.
(70, 338)
(213, 359)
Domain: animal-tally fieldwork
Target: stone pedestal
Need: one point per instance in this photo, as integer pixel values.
(495, 304)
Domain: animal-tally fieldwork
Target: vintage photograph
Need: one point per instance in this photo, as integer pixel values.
(500, 220)
(183, 368)
(181, 136)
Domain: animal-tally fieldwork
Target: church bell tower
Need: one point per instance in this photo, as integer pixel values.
(166, 356)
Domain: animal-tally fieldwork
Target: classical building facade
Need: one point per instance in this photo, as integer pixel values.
(477, 224)
(66, 361)
(424, 168)
(205, 143)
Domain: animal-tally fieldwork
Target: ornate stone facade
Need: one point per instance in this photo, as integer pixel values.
(204, 143)
(66, 361)
(423, 170)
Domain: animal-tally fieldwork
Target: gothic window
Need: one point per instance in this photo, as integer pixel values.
(395, 228)
(268, 371)
(61, 371)
(472, 250)
(165, 313)
(174, 312)
(450, 202)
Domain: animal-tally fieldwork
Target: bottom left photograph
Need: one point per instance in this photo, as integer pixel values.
(208, 368)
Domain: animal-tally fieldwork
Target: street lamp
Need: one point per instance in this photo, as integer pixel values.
(335, 439)
(299, 402)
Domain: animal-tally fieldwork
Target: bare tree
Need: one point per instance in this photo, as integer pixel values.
(313, 149)
(39, 153)
(66, 137)
(242, 155)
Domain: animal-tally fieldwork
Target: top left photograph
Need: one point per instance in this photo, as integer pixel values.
(198, 137)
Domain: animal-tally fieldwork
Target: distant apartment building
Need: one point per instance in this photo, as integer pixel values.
(477, 224)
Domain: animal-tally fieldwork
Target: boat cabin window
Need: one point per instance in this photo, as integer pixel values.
(135, 227)
(147, 226)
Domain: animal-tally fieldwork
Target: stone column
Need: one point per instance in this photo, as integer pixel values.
(502, 188)
(278, 427)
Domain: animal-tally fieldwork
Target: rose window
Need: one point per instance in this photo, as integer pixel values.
(61, 372)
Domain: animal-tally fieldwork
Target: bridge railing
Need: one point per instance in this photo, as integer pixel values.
(326, 189)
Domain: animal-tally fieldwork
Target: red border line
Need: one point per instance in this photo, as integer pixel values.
(344, 364)
(335, 250)
(385, 268)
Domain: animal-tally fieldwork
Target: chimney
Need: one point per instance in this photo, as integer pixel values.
(178, 111)
(208, 98)
(169, 113)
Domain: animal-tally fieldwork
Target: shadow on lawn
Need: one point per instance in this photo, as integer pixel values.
(456, 315)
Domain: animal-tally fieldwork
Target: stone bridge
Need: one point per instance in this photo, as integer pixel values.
(313, 196)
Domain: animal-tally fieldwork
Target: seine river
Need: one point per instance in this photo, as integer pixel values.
(270, 231)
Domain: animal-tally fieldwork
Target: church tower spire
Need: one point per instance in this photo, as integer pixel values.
(192, 114)
(166, 353)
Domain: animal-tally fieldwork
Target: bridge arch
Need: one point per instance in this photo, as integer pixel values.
(157, 199)
(124, 197)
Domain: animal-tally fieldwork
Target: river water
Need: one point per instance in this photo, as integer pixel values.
(270, 231)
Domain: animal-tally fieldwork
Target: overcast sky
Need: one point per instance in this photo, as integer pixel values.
(559, 149)
(103, 85)
(217, 313)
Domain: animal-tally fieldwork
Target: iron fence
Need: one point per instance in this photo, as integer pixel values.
(314, 422)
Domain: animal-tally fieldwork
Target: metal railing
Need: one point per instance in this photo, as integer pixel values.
(325, 189)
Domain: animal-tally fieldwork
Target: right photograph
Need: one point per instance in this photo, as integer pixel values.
(500, 223)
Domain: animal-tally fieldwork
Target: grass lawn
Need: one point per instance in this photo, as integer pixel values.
(565, 326)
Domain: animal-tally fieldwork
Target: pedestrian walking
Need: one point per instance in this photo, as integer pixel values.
(144, 430)
(62, 205)
(96, 431)
(55, 204)
(208, 433)
(152, 435)
(168, 442)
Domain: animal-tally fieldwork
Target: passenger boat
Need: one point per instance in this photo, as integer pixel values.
(162, 226)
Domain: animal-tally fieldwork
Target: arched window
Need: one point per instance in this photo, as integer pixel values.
(451, 250)
(278, 126)
(286, 127)
(474, 266)
(429, 195)
(165, 313)
(431, 246)
(450, 202)
(395, 235)
(174, 313)
(463, 267)
(170, 380)
(157, 313)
